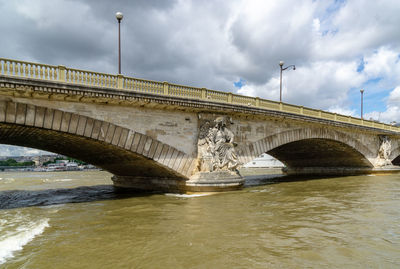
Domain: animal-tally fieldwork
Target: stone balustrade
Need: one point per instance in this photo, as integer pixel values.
(60, 73)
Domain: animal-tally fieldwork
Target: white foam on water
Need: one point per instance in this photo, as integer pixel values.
(46, 180)
(188, 195)
(263, 190)
(16, 240)
(3, 224)
(6, 180)
(63, 180)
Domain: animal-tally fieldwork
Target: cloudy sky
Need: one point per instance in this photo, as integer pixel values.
(338, 47)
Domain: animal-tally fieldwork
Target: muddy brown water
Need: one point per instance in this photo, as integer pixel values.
(78, 220)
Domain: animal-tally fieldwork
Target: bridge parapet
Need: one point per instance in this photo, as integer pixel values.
(16, 68)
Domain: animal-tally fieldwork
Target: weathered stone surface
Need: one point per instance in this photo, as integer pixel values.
(117, 135)
(66, 119)
(88, 127)
(30, 115)
(3, 109)
(103, 130)
(150, 184)
(81, 125)
(123, 138)
(21, 114)
(11, 112)
(215, 181)
(216, 146)
(385, 149)
(39, 116)
(153, 149)
(145, 138)
(159, 149)
(48, 118)
(96, 129)
(110, 133)
(57, 120)
(73, 124)
(178, 161)
(141, 144)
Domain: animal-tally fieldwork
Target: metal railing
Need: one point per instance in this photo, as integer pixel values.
(60, 73)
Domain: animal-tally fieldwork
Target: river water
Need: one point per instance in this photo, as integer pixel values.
(77, 220)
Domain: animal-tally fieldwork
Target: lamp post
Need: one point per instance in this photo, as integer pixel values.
(281, 63)
(362, 101)
(119, 17)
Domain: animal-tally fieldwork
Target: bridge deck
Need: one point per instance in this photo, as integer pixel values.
(62, 74)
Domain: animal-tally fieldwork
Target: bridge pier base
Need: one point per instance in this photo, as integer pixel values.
(148, 184)
(214, 181)
(326, 171)
(200, 182)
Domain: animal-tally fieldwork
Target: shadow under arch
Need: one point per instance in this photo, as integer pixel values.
(396, 156)
(318, 152)
(99, 153)
(311, 148)
(396, 161)
(121, 151)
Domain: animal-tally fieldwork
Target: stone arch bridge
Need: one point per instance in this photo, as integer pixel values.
(161, 136)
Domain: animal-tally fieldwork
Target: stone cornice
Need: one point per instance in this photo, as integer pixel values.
(32, 88)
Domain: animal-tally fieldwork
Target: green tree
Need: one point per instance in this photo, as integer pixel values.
(12, 162)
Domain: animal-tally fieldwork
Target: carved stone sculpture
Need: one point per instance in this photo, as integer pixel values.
(384, 152)
(216, 146)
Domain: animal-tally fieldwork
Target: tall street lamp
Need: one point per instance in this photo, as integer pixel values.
(119, 17)
(281, 63)
(362, 101)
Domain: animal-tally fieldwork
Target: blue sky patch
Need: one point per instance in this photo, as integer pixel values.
(331, 32)
(337, 4)
(360, 66)
(239, 84)
(374, 100)
(373, 80)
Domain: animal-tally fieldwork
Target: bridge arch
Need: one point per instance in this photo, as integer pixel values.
(121, 151)
(395, 155)
(307, 147)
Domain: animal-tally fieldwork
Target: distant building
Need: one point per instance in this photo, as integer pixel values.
(40, 160)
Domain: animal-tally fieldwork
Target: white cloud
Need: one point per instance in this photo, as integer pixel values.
(394, 97)
(215, 43)
(6, 150)
(381, 63)
(391, 114)
(392, 111)
(359, 26)
(343, 111)
(326, 48)
(320, 85)
(316, 25)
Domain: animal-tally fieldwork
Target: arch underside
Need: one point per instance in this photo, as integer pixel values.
(319, 146)
(395, 155)
(313, 151)
(396, 161)
(317, 152)
(109, 157)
